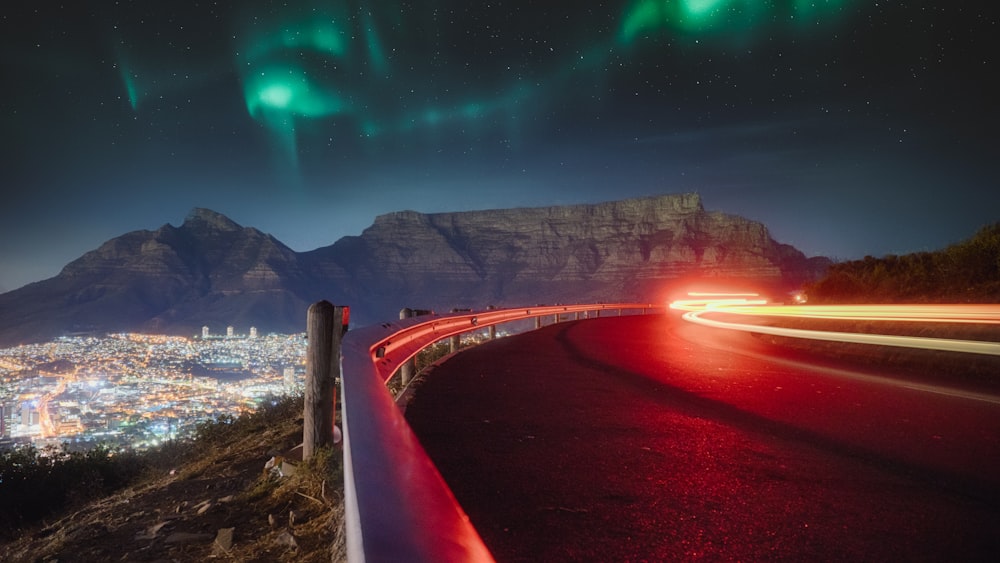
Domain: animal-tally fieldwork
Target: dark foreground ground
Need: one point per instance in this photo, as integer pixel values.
(218, 504)
(646, 439)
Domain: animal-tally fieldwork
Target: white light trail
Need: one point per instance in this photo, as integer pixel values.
(743, 305)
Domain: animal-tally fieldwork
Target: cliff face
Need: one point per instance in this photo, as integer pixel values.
(617, 250)
(211, 271)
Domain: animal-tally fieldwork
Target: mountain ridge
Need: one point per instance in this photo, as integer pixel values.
(214, 272)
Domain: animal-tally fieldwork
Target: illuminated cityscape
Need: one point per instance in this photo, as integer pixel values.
(137, 390)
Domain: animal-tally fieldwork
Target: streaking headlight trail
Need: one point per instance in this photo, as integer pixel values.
(700, 305)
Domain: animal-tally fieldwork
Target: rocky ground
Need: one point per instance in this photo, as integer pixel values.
(221, 505)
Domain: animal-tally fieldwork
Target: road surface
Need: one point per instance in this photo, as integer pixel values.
(649, 439)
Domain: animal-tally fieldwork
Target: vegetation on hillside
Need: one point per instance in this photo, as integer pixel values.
(38, 486)
(965, 272)
(37, 483)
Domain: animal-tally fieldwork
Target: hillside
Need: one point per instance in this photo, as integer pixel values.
(965, 272)
(197, 497)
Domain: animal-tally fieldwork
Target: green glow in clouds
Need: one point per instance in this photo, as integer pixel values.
(130, 89)
(277, 87)
(289, 90)
(684, 15)
(128, 76)
(696, 8)
(727, 16)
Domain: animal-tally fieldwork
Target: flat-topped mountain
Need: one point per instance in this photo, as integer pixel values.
(212, 271)
(603, 252)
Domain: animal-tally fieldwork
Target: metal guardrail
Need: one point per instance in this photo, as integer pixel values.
(398, 507)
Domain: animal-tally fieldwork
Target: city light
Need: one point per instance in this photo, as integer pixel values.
(134, 389)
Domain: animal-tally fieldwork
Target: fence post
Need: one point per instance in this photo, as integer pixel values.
(324, 328)
(406, 370)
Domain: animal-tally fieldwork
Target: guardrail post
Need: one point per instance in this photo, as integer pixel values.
(493, 332)
(324, 329)
(455, 343)
(538, 322)
(406, 370)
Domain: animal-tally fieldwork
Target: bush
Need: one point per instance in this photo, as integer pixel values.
(36, 483)
(966, 272)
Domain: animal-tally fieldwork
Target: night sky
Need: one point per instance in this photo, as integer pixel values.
(848, 127)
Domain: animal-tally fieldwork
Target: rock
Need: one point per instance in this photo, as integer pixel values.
(223, 542)
(205, 507)
(151, 532)
(227, 498)
(287, 539)
(271, 520)
(180, 538)
(294, 517)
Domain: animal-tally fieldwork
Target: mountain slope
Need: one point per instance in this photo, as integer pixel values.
(212, 271)
(209, 271)
(618, 250)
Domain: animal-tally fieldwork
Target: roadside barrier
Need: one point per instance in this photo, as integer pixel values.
(398, 508)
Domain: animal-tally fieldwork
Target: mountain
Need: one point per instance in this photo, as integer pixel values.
(616, 250)
(211, 271)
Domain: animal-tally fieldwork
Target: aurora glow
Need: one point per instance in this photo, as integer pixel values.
(307, 119)
(280, 91)
(726, 16)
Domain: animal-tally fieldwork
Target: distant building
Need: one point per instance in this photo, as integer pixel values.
(229, 332)
(29, 415)
(253, 332)
(289, 374)
(4, 422)
(204, 332)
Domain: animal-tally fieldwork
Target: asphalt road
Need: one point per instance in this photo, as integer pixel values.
(649, 439)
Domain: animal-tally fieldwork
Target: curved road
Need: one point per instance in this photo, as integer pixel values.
(648, 439)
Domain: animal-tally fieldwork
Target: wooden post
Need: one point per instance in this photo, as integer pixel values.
(456, 343)
(538, 322)
(324, 327)
(493, 332)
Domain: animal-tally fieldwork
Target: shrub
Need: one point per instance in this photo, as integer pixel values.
(968, 271)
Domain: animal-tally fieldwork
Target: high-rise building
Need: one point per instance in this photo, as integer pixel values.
(204, 332)
(29, 414)
(289, 374)
(253, 332)
(229, 332)
(4, 422)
